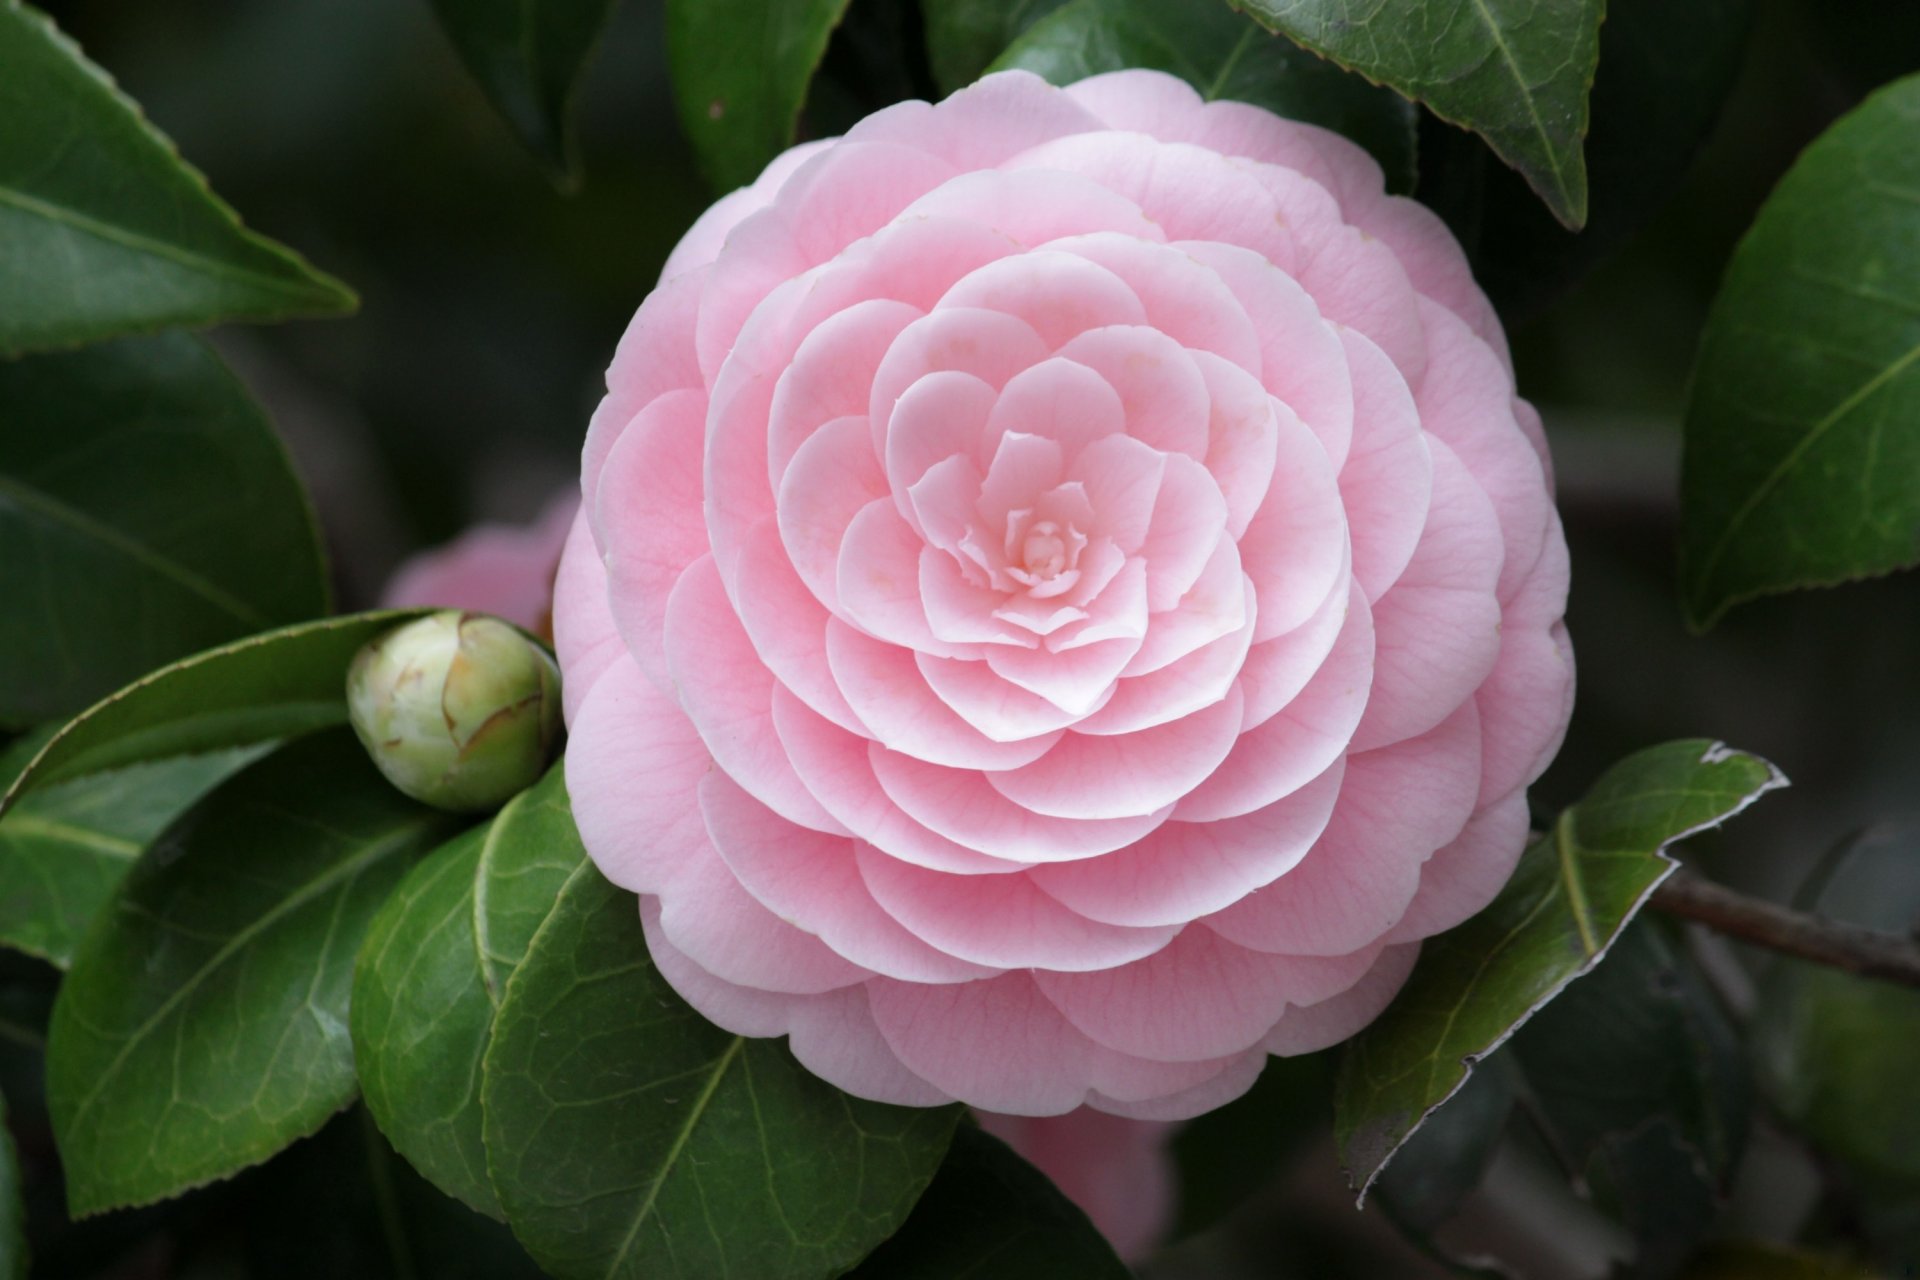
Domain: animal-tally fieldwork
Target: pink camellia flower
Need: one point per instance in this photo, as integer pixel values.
(503, 569)
(1066, 599)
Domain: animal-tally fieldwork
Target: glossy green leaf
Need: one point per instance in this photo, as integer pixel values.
(107, 231)
(203, 1026)
(1836, 1051)
(629, 1137)
(431, 974)
(1641, 1083)
(1223, 55)
(740, 74)
(991, 1214)
(529, 57)
(1573, 892)
(64, 848)
(1664, 70)
(13, 1212)
(277, 685)
(148, 510)
(1803, 426)
(1516, 72)
(1444, 1160)
(964, 36)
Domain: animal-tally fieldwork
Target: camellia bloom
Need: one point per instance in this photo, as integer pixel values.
(1066, 599)
(502, 569)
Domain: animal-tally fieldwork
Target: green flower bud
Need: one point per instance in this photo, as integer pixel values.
(459, 710)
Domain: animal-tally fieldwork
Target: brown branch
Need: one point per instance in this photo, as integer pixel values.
(1871, 953)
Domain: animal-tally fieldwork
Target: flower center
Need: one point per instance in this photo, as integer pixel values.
(1044, 552)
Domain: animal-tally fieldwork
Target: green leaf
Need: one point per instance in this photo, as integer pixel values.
(147, 509)
(1664, 70)
(1444, 1160)
(1836, 1051)
(529, 57)
(278, 685)
(963, 36)
(1641, 1083)
(629, 1137)
(107, 230)
(740, 74)
(990, 1213)
(431, 974)
(1572, 893)
(63, 849)
(1223, 55)
(1516, 72)
(203, 1026)
(13, 1211)
(1803, 427)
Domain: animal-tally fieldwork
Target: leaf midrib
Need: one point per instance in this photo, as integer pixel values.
(30, 824)
(1526, 96)
(106, 536)
(680, 1140)
(180, 255)
(345, 870)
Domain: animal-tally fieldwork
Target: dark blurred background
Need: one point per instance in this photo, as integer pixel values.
(348, 129)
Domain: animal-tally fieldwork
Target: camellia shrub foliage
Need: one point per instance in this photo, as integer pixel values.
(1038, 733)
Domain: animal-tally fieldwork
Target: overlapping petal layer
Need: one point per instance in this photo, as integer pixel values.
(1066, 597)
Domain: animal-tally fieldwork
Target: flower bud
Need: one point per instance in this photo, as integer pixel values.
(458, 710)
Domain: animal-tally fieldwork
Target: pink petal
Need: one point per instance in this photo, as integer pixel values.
(1057, 294)
(914, 261)
(1234, 1077)
(939, 419)
(1526, 701)
(788, 627)
(958, 804)
(1434, 262)
(1296, 548)
(1186, 302)
(647, 518)
(655, 356)
(1000, 1045)
(961, 613)
(1215, 605)
(837, 768)
(1125, 775)
(1200, 997)
(1033, 208)
(1397, 805)
(1122, 479)
(1060, 401)
(716, 924)
(1076, 680)
(1023, 467)
(834, 1036)
(1320, 1026)
(701, 244)
(1357, 281)
(877, 583)
(1296, 744)
(1439, 627)
(832, 478)
(886, 690)
(812, 882)
(1162, 395)
(1276, 670)
(728, 694)
(1301, 361)
(633, 761)
(996, 117)
(507, 570)
(1388, 480)
(1000, 921)
(831, 376)
(1467, 401)
(1189, 519)
(584, 636)
(1182, 687)
(1182, 871)
(1002, 711)
(837, 196)
(1463, 876)
(1242, 437)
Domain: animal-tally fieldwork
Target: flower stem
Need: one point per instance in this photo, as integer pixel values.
(1871, 953)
